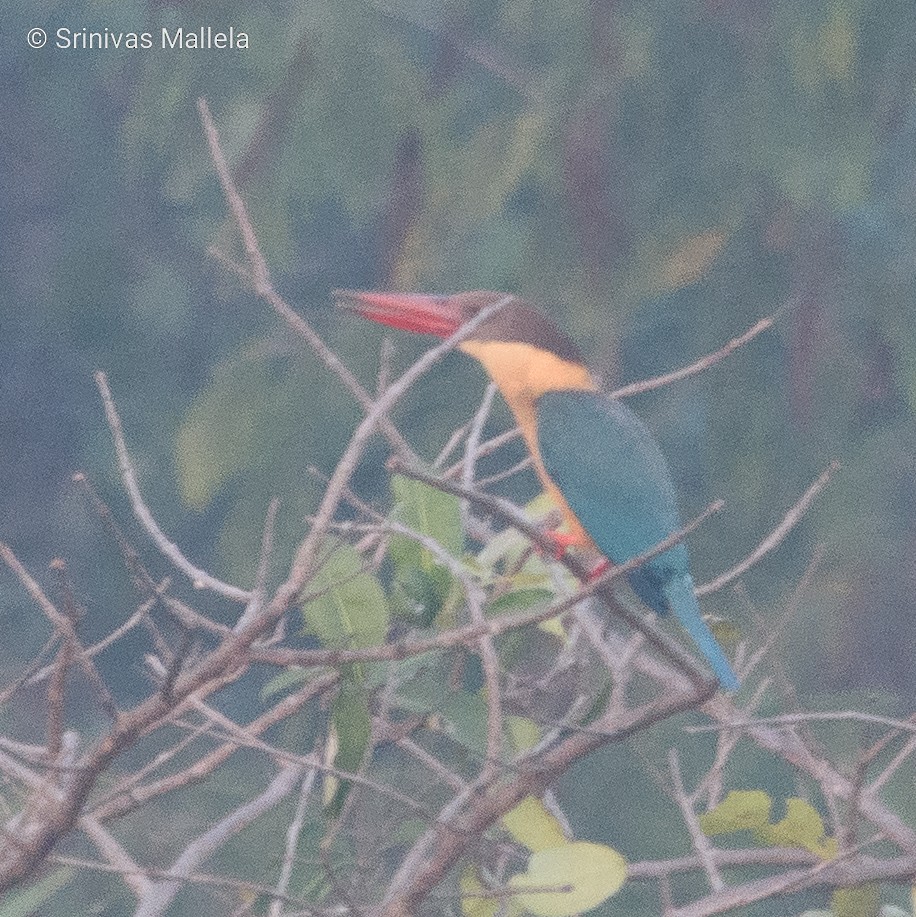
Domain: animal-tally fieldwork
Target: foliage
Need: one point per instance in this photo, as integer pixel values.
(749, 810)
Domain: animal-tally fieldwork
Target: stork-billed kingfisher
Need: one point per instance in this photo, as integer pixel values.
(593, 455)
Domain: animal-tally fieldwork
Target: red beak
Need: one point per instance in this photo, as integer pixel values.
(423, 313)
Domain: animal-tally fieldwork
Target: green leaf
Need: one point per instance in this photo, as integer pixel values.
(460, 714)
(429, 512)
(30, 900)
(421, 584)
(520, 600)
(352, 725)
(801, 827)
(350, 609)
(741, 810)
(587, 873)
(465, 719)
(289, 678)
(418, 594)
(599, 705)
(534, 826)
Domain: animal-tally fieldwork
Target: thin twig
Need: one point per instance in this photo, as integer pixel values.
(196, 878)
(255, 603)
(472, 445)
(701, 842)
(775, 537)
(513, 470)
(157, 900)
(264, 288)
(108, 846)
(62, 624)
(200, 578)
(292, 843)
(814, 716)
(143, 579)
(685, 372)
(494, 444)
(126, 796)
(905, 752)
(450, 445)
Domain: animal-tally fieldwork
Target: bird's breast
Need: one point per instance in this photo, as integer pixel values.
(523, 373)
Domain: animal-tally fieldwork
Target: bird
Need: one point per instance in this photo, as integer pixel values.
(594, 457)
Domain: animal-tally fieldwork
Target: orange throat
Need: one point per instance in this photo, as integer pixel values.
(523, 373)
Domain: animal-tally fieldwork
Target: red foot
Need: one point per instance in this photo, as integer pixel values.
(599, 569)
(561, 541)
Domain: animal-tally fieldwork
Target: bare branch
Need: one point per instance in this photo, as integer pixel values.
(264, 289)
(114, 852)
(701, 842)
(648, 385)
(197, 878)
(494, 444)
(199, 578)
(127, 796)
(253, 608)
(63, 625)
(776, 536)
(292, 842)
(472, 812)
(159, 897)
(143, 580)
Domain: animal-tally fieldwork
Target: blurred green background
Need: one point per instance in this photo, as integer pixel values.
(657, 175)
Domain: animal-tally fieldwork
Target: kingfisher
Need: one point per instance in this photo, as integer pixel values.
(594, 457)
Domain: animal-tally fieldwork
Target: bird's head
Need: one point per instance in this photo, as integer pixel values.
(517, 323)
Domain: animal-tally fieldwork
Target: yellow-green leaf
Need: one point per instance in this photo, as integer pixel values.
(741, 810)
(837, 39)
(532, 825)
(690, 260)
(472, 904)
(523, 732)
(289, 678)
(584, 874)
(749, 810)
(863, 901)
(801, 827)
(520, 600)
(219, 435)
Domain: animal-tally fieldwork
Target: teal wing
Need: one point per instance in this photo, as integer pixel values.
(613, 475)
(615, 479)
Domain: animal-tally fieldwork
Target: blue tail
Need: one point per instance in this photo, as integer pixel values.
(679, 590)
